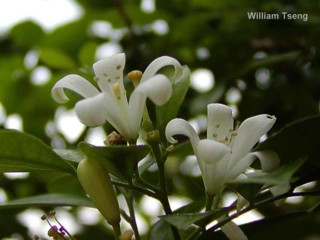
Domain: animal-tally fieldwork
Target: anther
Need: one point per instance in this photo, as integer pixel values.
(135, 77)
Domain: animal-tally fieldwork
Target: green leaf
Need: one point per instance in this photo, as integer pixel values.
(87, 53)
(120, 161)
(170, 110)
(250, 187)
(56, 58)
(184, 220)
(20, 152)
(22, 32)
(161, 231)
(48, 200)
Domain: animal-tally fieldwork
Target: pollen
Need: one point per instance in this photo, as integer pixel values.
(118, 67)
(96, 79)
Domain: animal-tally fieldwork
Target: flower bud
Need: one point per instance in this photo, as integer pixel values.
(127, 235)
(96, 182)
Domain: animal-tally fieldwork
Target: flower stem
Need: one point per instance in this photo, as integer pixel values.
(209, 201)
(129, 199)
(163, 194)
(116, 230)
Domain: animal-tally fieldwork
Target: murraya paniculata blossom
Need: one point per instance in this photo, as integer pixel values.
(226, 152)
(110, 103)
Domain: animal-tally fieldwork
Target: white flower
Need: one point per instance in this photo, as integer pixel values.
(225, 154)
(111, 104)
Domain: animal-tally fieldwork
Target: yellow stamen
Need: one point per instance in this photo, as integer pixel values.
(116, 90)
(134, 77)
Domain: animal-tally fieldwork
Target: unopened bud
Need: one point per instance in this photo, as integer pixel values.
(127, 235)
(96, 182)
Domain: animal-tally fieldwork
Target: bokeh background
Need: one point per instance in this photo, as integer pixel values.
(255, 66)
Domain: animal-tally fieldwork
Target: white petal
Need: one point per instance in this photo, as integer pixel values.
(180, 126)
(117, 114)
(158, 88)
(109, 71)
(233, 231)
(220, 122)
(74, 83)
(269, 161)
(214, 175)
(90, 111)
(234, 170)
(249, 132)
(160, 63)
(210, 151)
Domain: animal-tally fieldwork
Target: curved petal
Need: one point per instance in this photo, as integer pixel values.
(220, 122)
(109, 71)
(160, 63)
(233, 231)
(180, 126)
(90, 111)
(74, 83)
(269, 160)
(210, 151)
(158, 88)
(249, 132)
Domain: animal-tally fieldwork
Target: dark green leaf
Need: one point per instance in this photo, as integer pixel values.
(184, 220)
(121, 161)
(48, 200)
(20, 152)
(161, 231)
(299, 139)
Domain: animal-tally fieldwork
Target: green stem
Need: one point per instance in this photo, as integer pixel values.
(209, 201)
(117, 231)
(163, 185)
(133, 222)
(136, 188)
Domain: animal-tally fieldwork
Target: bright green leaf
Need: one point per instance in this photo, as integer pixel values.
(27, 34)
(87, 53)
(20, 152)
(56, 58)
(170, 110)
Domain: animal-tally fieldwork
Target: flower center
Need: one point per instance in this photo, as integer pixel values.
(225, 137)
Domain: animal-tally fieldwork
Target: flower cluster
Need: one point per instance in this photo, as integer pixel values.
(222, 157)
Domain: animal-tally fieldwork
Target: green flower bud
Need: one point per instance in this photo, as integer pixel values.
(96, 182)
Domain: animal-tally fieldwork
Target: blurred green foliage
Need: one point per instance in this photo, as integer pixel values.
(273, 65)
